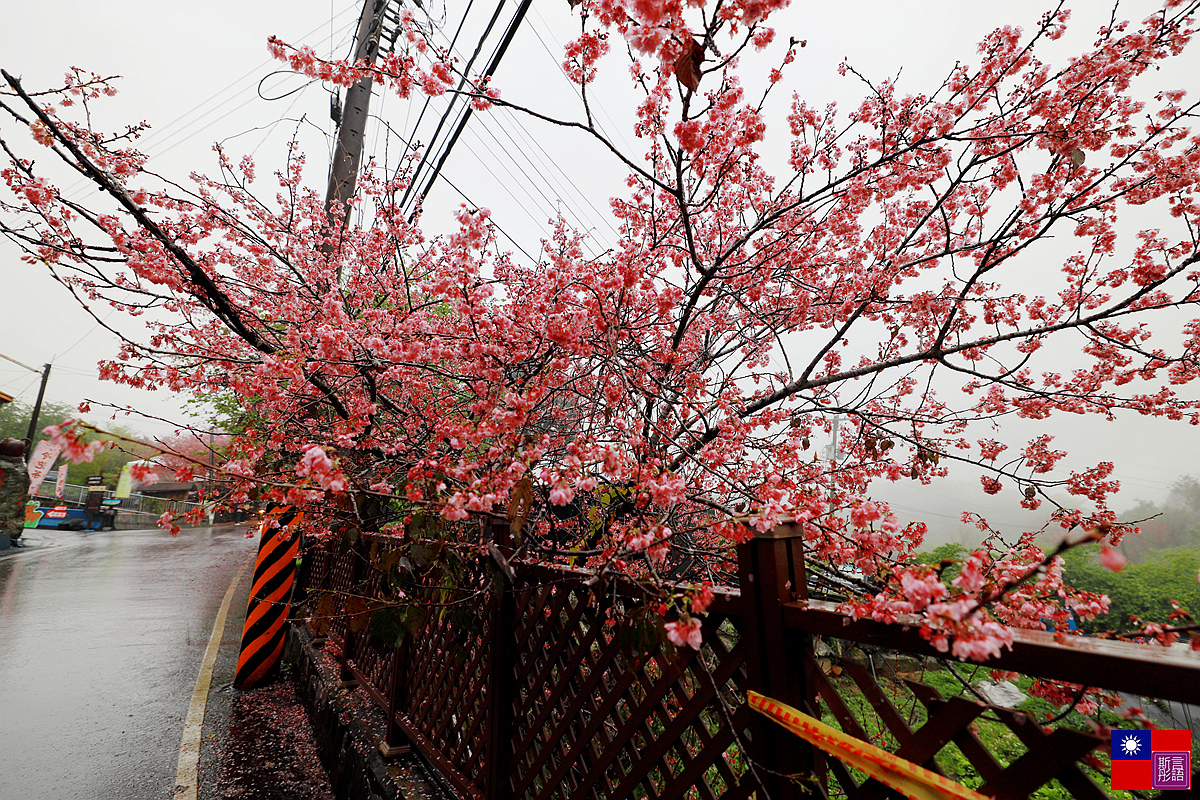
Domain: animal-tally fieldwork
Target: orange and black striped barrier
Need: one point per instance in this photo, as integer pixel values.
(274, 572)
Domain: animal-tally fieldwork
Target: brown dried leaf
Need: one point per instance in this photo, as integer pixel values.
(687, 66)
(326, 605)
(357, 614)
(520, 503)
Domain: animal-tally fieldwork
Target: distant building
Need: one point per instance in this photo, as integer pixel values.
(167, 486)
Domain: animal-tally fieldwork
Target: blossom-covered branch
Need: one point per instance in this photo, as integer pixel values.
(923, 266)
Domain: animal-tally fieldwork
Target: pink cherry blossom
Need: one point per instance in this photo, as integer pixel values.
(1111, 559)
(702, 598)
(143, 472)
(777, 270)
(685, 632)
(70, 438)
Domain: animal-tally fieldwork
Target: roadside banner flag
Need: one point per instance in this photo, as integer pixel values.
(61, 484)
(911, 780)
(43, 457)
(1146, 760)
(125, 482)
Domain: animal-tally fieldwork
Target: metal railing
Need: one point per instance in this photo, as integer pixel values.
(76, 495)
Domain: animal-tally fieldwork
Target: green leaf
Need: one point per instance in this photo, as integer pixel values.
(420, 556)
(388, 628)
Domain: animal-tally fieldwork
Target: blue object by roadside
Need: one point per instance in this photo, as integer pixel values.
(58, 517)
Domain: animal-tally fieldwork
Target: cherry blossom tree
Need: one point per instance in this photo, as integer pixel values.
(915, 266)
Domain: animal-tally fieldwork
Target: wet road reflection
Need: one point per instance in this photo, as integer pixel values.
(100, 642)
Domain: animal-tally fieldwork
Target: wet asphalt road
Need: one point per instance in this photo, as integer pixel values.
(101, 639)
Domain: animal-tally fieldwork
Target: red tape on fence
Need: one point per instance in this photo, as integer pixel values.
(910, 779)
(266, 612)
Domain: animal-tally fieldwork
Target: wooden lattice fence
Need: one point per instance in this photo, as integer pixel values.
(529, 688)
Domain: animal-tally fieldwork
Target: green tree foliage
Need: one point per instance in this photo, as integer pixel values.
(227, 412)
(1141, 590)
(14, 418)
(1174, 523)
(109, 462)
(14, 422)
(950, 554)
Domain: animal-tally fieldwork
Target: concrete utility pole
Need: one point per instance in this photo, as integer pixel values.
(37, 410)
(347, 154)
(37, 407)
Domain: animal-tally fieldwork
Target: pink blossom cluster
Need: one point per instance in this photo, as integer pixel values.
(685, 632)
(72, 439)
(145, 473)
(649, 406)
(319, 467)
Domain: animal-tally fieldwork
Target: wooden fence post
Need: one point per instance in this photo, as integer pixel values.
(346, 677)
(502, 677)
(394, 741)
(771, 572)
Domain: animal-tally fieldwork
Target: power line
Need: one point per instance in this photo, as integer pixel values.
(28, 385)
(455, 98)
(161, 133)
(157, 138)
(574, 87)
(529, 152)
(453, 42)
(408, 144)
(544, 169)
(549, 206)
(532, 155)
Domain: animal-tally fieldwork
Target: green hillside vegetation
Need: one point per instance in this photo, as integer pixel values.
(14, 423)
(1141, 590)
(1170, 524)
(14, 418)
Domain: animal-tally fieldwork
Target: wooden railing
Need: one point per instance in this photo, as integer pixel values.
(536, 689)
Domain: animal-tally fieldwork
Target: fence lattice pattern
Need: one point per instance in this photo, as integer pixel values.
(538, 692)
(581, 714)
(594, 719)
(444, 693)
(949, 723)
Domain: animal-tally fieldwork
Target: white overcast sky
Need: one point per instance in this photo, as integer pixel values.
(191, 71)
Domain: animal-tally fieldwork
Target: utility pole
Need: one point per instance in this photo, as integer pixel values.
(832, 453)
(37, 409)
(352, 121)
(831, 450)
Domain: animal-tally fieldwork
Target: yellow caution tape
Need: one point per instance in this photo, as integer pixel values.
(909, 779)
